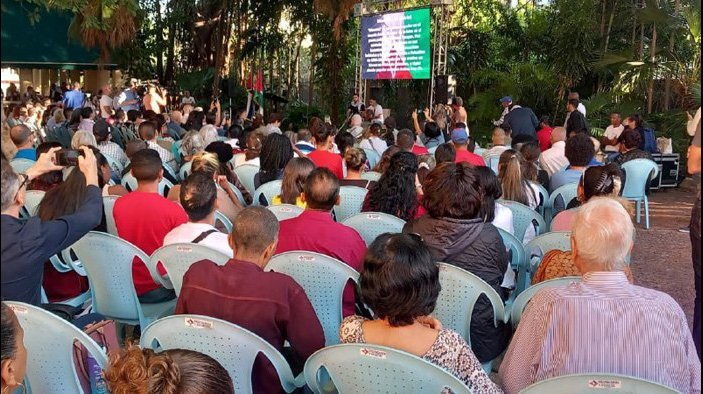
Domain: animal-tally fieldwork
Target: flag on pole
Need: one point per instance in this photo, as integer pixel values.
(259, 91)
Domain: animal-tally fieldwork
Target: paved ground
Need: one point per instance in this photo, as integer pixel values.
(662, 256)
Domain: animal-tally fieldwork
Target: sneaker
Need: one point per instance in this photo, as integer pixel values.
(685, 230)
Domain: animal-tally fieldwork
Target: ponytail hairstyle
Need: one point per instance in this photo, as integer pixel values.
(604, 181)
(175, 371)
(294, 176)
(530, 151)
(511, 178)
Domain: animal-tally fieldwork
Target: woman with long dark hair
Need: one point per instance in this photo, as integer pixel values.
(276, 152)
(397, 191)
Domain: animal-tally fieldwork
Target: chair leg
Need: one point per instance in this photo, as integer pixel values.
(638, 206)
(646, 213)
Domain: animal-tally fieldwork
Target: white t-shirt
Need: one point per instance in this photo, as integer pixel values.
(378, 113)
(105, 101)
(187, 232)
(188, 100)
(613, 133)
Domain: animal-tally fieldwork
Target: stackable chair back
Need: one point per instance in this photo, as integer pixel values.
(20, 165)
(638, 173)
(109, 206)
(544, 207)
(562, 195)
(234, 347)
(323, 278)
(115, 165)
(107, 260)
(538, 247)
(32, 198)
(597, 383)
(246, 174)
(373, 157)
(372, 224)
(524, 216)
(222, 221)
(49, 340)
(352, 199)
(365, 368)
(285, 211)
(236, 192)
(185, 170)
(177, 258)
(130, 183)
(269, 190)
(492, 163)
(371, 176)
(521, 301)
(518, 262)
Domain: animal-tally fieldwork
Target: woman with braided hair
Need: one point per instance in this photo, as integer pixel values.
(173, 371)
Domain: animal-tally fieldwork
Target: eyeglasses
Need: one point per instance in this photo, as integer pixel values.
(24, 182)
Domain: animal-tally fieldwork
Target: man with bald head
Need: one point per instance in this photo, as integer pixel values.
(315, 230)
(554, 159)
(23, 138)
(174, 128)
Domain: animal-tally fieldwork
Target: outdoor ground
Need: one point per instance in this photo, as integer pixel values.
(662, 256)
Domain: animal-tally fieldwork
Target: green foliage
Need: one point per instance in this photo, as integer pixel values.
(197, 82)
(298, 114)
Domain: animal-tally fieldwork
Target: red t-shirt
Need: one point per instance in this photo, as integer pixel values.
(144, 219)
(323, 158)
(471, 158)
(420, 150)
(545, 138)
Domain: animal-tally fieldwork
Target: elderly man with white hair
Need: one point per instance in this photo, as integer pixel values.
(603, 324)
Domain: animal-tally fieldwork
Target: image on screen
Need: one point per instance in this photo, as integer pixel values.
(396, 45)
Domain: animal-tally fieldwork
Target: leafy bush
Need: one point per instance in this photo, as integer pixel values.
(298, 114)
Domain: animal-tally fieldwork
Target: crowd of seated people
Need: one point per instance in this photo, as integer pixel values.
(451, 203)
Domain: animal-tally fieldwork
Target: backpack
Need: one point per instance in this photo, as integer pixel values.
(650, 141)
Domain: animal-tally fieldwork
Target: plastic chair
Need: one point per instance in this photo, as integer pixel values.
(323, 278)
(224, 222)
(478, 151)
(236, 192)
(246, 174)
(50, 345)
(365, 368)
(373, 157)
(372, 224)
(32, 198)
(108, 262)
(185, 170)
(544, 208)
(234, 347)
(518, 262)
(597, 383)
(492, 163)
(567, 193)
(20, 165)
(285, 211)
(352, 199)
(524, 216)
(269, 190)
(538, 247)
(130, 183)
(109, 206)
(171, 172)
(521, 301)
(177, 258)
(371, 176)
(115, 165)
(638, 173)
(432, 150)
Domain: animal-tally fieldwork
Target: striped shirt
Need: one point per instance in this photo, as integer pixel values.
(602, 325)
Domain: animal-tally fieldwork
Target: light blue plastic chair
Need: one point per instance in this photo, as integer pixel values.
(269, 190)
(544, 208)
(432, 150)
(236, 192)
(32, 198)
(365, 368)
(323, 278)
(234, 347)
(455, 304)
(285, 211)
(109, 206)
(371, 176)
(174, 175)
(185, 170)
(538, 247)
(352, 199)
(524, 216)
(130, 183)
(50, 346)
(246, 174)
(177, 258)
(115, 165)
(492, 163)
(479, 151)
(373, 157)
(597, 383)
(638, 173)
(564, 195)
(20, 165)
(521, 301)
(63, 264)
(372, 224)
(223, 222)
(108, 262)
(518, 262)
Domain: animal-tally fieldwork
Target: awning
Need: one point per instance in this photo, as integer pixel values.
(44, 44)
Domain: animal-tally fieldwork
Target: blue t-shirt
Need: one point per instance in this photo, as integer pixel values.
(27, 153)
(73, 99)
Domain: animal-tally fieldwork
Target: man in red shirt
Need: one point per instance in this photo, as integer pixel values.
(406, 142)
(271, 305)
(143, 218)
(315, 231)
(460, 139)
(544, 134)
(323, 156)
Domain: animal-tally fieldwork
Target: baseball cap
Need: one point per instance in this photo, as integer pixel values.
(101, 128)
(506, 99)
(460, 135)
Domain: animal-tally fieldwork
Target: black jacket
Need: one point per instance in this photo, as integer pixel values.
(577, 123)
(521, 121)
(478, 248)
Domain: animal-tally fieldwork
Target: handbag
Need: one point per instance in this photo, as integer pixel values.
(104, 333)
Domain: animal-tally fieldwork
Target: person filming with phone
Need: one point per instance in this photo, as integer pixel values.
(28, 243)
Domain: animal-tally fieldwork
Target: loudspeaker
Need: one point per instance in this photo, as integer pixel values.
(445, 88)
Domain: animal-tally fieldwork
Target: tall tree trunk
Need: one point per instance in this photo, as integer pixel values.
(652, 58)
(667, 81)
(313, 56)
(159, 41)
(634, 27)
(170, 50)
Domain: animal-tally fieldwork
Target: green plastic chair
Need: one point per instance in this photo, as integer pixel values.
(372, 224)
(365, 368)
(597, 383)
(521, 301)
(234, 347)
